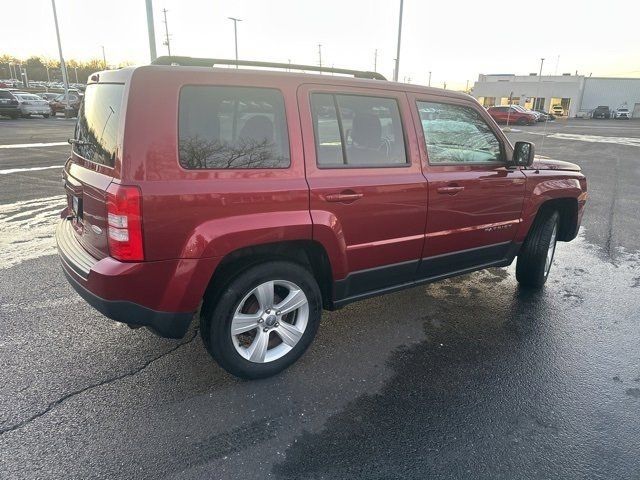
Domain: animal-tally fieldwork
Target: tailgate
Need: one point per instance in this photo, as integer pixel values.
(92, 166)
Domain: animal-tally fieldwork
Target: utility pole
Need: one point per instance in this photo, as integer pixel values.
(166, 32)
(320, 57)
(104, 58)
(429, 84)
(63, 67)
(395, 72)
(151, 30)
(235, 34)
(540, 107)
(375, 61)
(76, 69)
(46, 65)
(466, 90)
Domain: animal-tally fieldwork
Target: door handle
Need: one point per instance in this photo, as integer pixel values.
(344, 197)
(451, 190)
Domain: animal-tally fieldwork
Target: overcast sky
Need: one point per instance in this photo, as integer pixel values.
(454, 39)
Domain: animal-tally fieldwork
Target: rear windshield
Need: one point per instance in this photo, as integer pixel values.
(232, 127)
(98, 120)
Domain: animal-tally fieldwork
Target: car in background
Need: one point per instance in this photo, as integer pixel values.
(601, 111)
(623, 112)
(48, 96)
(522, 109)
(511, 115)
(59, 103)
(549, 115)
(32, 104)
(9, 104)
(557, 110)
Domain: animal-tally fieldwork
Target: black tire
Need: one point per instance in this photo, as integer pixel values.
(530, 268)
(218, 311)
(46, 115)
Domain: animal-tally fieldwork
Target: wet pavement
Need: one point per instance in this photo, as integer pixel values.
(467, 378)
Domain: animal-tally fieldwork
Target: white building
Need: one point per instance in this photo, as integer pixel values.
(577, 94)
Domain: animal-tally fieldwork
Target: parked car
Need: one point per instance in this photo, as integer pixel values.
(522, 109)
(549, 115)
(623, 112)
(48, 96)
(601, 111)
(511, 115)
(31, 104)
(9, 104)
(557, 110)
(246, 196)
(59, 104)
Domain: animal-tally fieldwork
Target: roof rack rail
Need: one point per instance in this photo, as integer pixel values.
(210, 62)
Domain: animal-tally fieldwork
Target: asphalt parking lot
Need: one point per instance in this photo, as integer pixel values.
(467, 378)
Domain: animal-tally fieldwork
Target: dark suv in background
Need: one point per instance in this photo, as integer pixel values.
(9, 104)
(601, 111)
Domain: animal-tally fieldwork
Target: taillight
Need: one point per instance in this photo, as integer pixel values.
(124, 222)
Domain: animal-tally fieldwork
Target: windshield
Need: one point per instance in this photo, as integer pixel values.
(98, 120)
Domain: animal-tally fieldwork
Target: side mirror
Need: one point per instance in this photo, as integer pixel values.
(523, 153)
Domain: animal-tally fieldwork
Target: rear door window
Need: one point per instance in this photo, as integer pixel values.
(98, 121)
(232, 128)
(357, 131)
(456, 134)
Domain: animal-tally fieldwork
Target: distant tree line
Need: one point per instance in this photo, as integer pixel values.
(47, 69)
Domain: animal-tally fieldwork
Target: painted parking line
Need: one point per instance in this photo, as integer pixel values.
(629, 141)
(32, 169)
(34, 145)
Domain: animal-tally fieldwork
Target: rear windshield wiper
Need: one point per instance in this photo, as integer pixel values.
(74, 141)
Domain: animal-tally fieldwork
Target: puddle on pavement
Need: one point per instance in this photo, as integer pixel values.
(27, 229)
(533, 381)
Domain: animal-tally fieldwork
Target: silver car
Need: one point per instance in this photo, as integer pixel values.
(31, 104)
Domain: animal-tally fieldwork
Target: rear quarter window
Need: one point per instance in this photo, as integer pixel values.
(224, 127)
(98, 120)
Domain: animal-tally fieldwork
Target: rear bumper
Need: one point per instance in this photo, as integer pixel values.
(165, 324)
(161, 295)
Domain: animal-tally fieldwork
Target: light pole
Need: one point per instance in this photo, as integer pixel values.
(63, 67)
(76, 69)
(375, 61)
(235, 34)
(395, 72)
(320, 57)
(429, 84)
(539, 107)
(151, 30)
(104, 58)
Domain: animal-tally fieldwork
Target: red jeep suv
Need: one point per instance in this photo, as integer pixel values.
(259, 198)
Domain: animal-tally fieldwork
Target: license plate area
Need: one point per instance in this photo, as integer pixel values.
(75, 205)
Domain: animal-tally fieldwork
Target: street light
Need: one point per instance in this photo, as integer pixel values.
(235, 34)
(395, 72)
(63, 67)
(104, 57)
